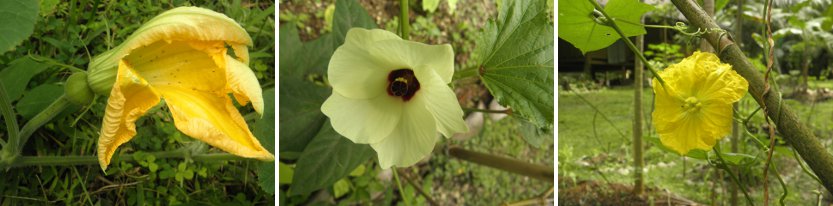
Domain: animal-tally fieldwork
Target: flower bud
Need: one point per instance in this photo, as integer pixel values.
(77, 90)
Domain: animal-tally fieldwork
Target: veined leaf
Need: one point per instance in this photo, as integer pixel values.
(16, 76)
(37, 99)
(264, 130)
(578, 24)
(516, 58)
(301, 98)
(328, 158)
(300, 116)
(349, 14)
(17, 22)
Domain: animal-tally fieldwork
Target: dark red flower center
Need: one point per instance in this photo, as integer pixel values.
(402, 83)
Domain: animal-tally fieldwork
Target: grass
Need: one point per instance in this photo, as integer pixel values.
(606, 156)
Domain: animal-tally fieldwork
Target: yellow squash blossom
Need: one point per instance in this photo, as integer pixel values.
(180, 56)
(694, 108)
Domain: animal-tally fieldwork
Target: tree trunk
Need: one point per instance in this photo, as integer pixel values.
(708, 5)
(794, 132)
(588, 67)
(638, 163)
(805, 67)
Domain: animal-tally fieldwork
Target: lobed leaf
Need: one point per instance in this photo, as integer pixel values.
(516, 54)
(17, 22)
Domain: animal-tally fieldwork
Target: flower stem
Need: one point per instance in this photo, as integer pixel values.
(506, 111)
(54, 62)
(503, 163)
(42, 118)
(10, 119)
(399, 185)
(404, 27)
(732, 175)
(419, 189)
(658, 26)
(27, 161)
(627, 41)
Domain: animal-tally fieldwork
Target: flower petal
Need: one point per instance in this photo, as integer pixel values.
(415, 55)
(242, 53)
(243, 83)
(363, 121)
(179, 24)
(669, 107)
(442, 103)
(361, 37)
(685, 135)
(213, 119)
(129, 99)
(188, 65)
(354, 73)
(413, 138)
(719, 121)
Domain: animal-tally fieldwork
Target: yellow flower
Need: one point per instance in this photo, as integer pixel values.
(180, 56)
(694, 108)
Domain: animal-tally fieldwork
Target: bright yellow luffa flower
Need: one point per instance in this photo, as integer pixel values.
(180, 56)
(694, 108)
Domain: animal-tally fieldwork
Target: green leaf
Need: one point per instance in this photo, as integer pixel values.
(47, 7)
(264, 131)
(349, 14)
(328, 158)
(300, 102)
(719, 5)
(285, 173)
(17, 22)
(533, 135)
(698, 154)
(266, 177)
(430, 5)
(300, 94)
(341, 187)
(516, 58)
(578, 25)
(37, 99)
(695, 153)
(300, 116)
(452, 5)
(328, 17)
(264, 128)
(359, 171)
(16, 76)
(290, 44)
